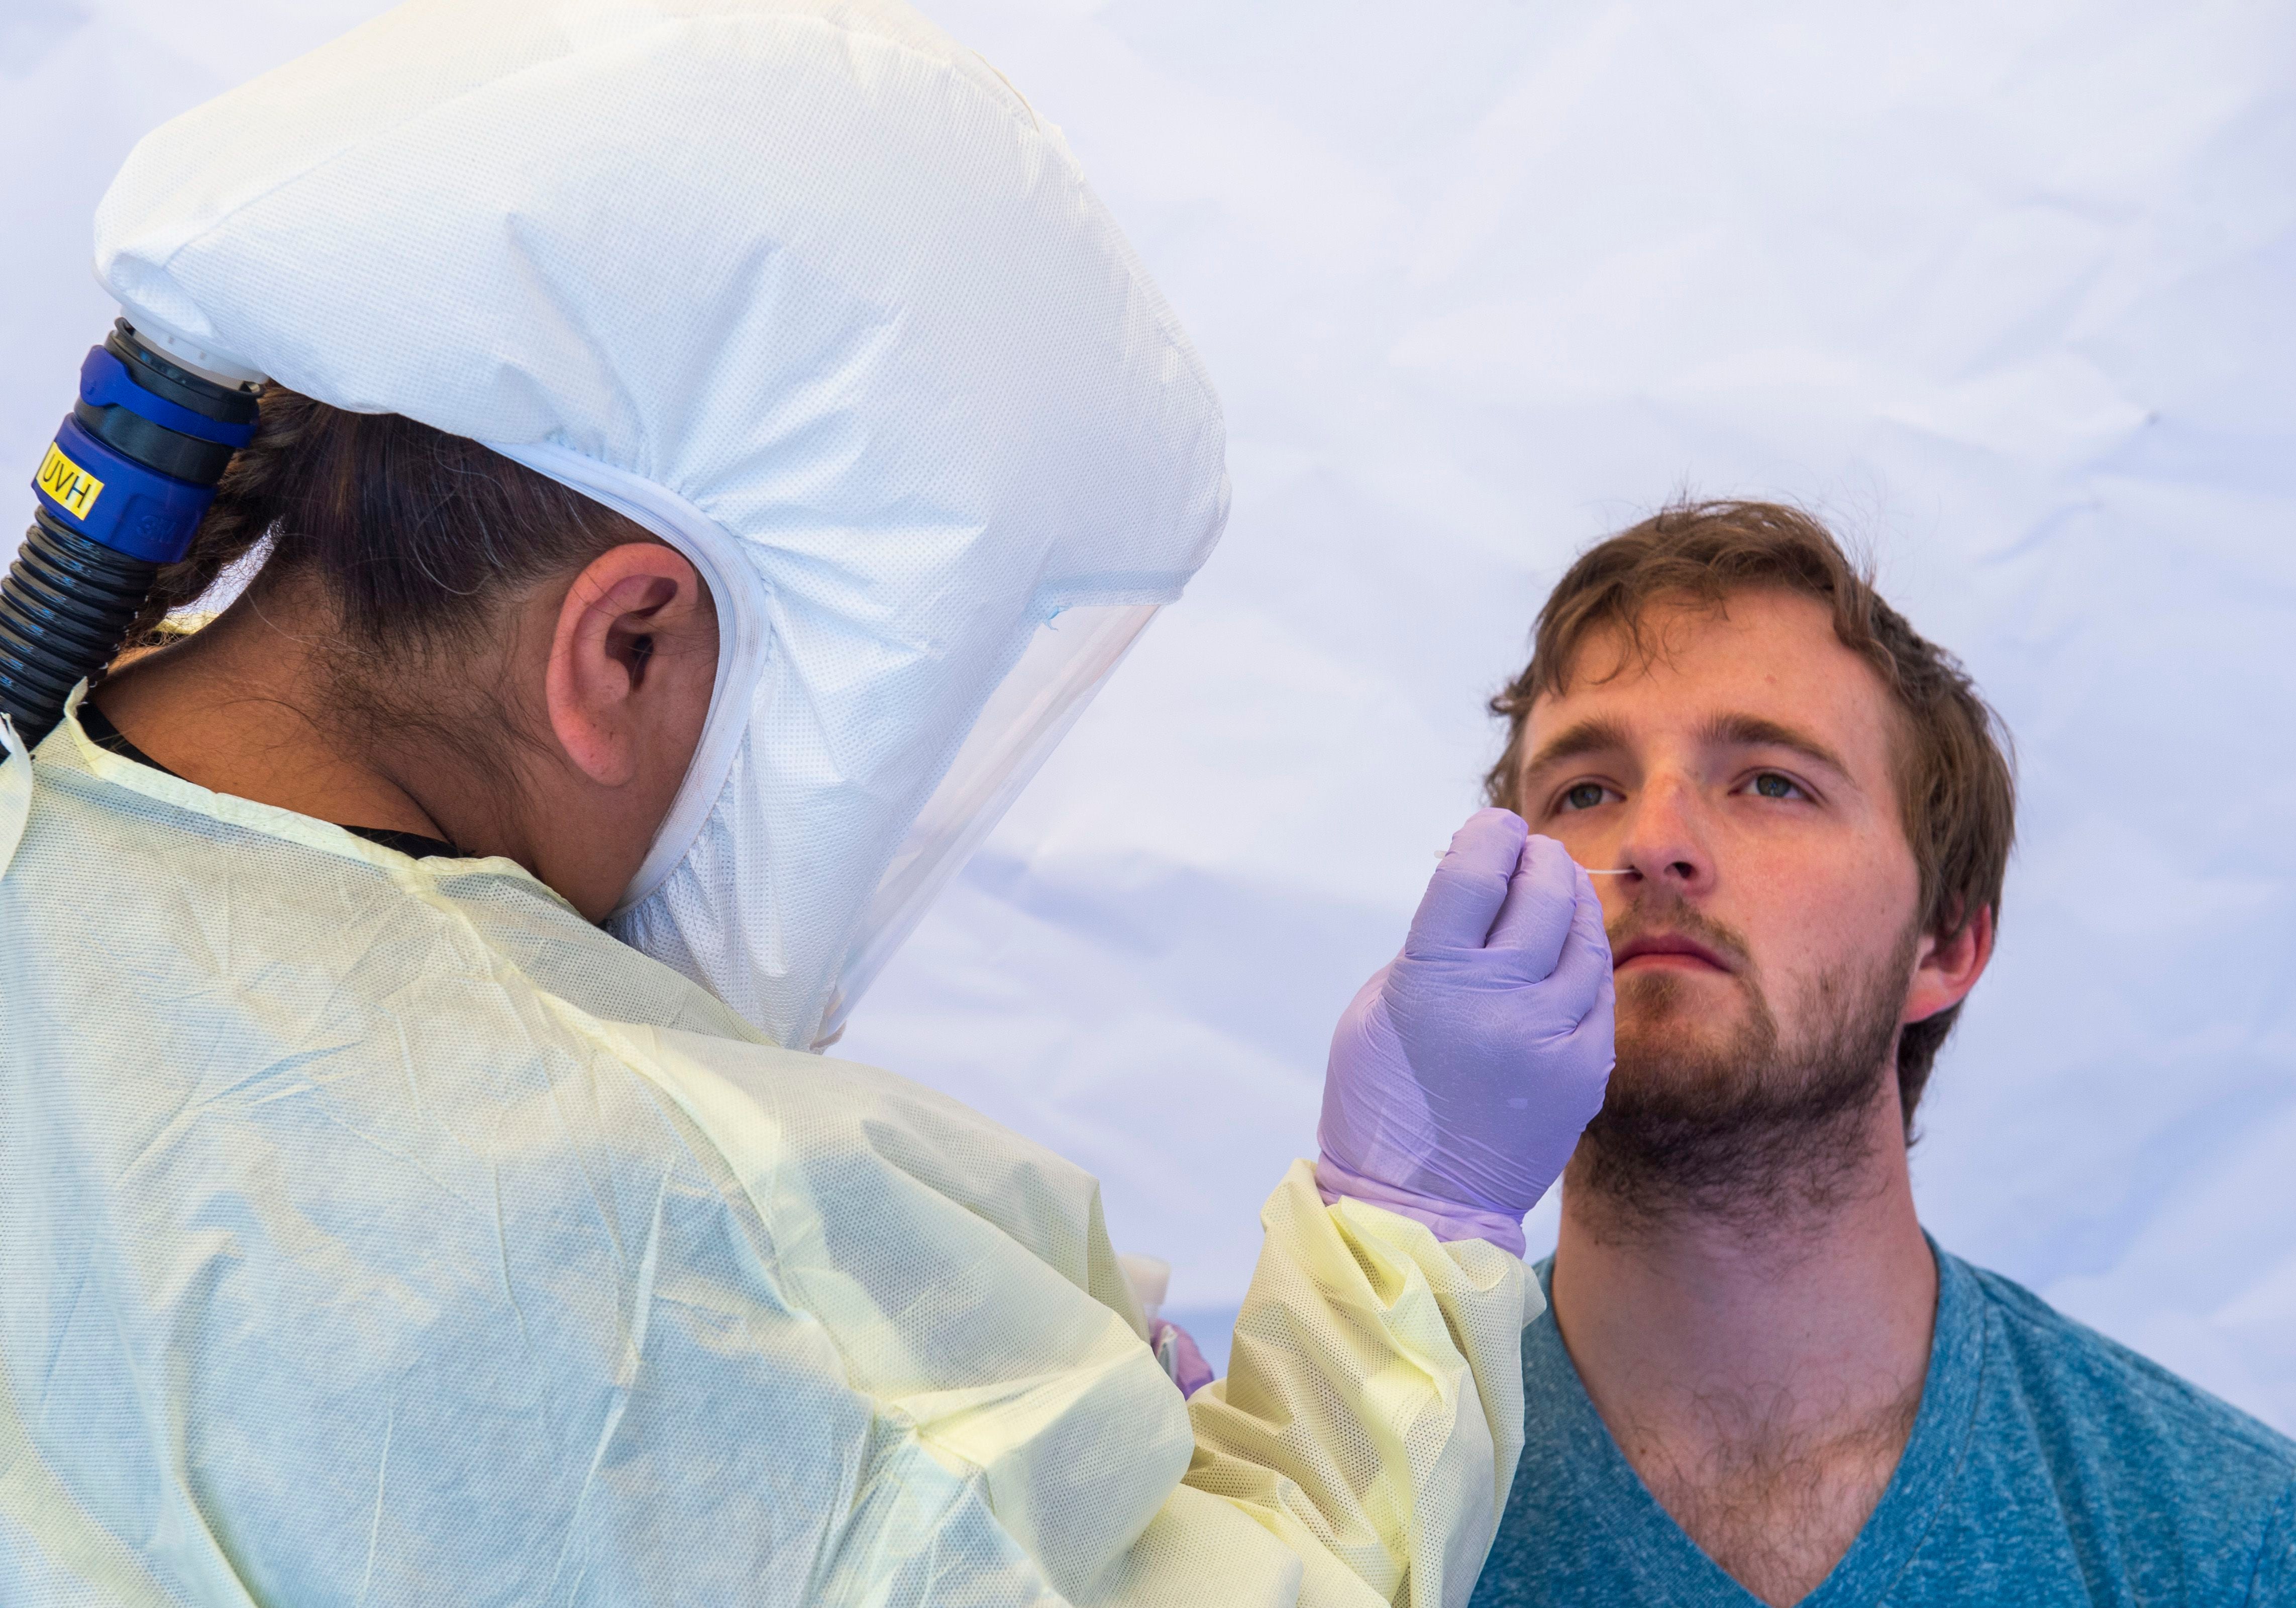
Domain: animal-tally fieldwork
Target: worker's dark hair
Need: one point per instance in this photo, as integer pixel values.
(1956, 784)
(411, 534)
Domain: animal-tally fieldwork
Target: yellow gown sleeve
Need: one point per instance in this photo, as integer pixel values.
(1371, 1415)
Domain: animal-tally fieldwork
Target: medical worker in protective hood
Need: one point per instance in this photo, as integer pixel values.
(710, 449)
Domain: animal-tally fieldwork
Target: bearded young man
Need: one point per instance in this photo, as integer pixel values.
(1758, 1379)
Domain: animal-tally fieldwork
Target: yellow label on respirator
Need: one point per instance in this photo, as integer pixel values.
(68, 482)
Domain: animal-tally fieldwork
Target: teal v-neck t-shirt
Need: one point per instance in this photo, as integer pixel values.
(2048, 1465)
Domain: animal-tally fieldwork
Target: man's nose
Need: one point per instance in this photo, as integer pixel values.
(1665, 844)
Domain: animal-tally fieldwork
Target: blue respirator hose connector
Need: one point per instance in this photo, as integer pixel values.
(121, 490)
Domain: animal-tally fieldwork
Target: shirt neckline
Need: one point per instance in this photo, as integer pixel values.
(1909, 1504)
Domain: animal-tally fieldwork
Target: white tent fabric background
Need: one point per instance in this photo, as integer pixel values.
(2004, 291)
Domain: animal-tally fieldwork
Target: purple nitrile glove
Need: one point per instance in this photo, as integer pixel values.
(1463, 1072)
(1177, 1350)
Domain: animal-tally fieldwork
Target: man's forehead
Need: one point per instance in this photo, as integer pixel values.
(1768, 655)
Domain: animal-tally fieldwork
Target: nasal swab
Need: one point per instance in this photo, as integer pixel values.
(1590, 870)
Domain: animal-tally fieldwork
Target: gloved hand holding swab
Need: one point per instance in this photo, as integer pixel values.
(1463, 1072)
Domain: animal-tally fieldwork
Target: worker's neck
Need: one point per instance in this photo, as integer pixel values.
(1818, 1309)
(239, 707)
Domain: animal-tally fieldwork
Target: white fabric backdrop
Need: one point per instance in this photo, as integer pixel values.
(2004, 291)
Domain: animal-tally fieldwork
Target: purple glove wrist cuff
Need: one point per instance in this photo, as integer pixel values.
(1449, 1219)
(1175, 1348)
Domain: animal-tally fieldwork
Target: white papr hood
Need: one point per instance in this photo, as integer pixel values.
(806, 289)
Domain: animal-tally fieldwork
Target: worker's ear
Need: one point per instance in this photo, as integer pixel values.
(1945, 970)
(632, 662)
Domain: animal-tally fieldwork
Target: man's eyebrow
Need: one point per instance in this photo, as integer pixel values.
(1754, 731)
(1592, 736)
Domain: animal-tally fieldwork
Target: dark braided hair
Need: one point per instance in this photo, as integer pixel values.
(244, 510)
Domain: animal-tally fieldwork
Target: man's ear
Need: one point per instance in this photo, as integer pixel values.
(1946, 969)
(625, 647)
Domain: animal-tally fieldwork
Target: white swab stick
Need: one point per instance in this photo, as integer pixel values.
(1590, 871)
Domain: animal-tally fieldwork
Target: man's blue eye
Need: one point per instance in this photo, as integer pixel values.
(1585, 796)
(1771, 786)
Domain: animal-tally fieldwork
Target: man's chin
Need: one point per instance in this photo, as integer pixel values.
(1672, 988)
(1706, 1116)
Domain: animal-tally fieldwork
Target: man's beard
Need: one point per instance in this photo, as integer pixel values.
(1758, 1130)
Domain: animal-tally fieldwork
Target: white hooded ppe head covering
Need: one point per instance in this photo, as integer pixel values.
(805, 288)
